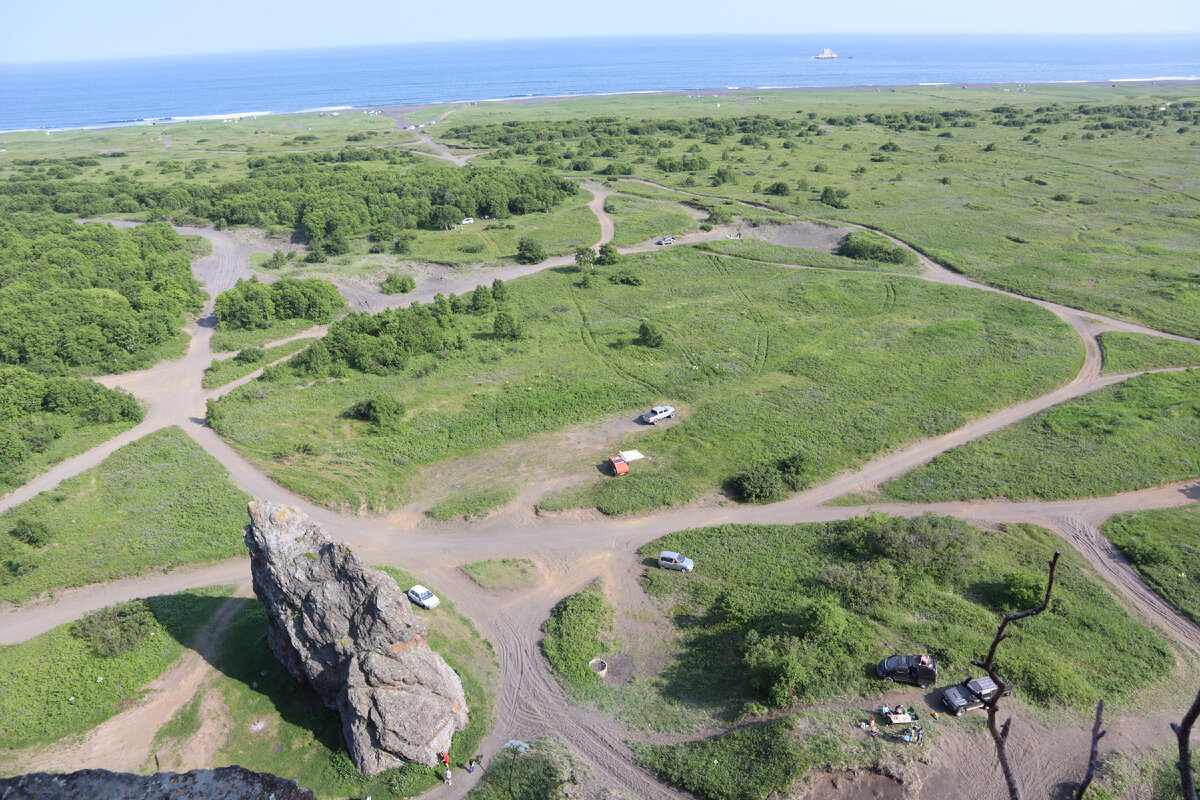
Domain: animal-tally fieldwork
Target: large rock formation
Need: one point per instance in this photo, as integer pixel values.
(349, 632)
(226, 783)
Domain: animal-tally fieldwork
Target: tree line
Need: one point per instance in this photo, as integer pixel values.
(251, 304)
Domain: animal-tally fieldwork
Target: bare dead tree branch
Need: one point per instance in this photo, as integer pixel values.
(1097, 735)
(1183, 730)
(992, 704)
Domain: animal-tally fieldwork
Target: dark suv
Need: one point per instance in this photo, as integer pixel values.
(919, 670)
(959, 697)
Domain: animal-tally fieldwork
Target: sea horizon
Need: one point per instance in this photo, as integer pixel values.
(142, 91)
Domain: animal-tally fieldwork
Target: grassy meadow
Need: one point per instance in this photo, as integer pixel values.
(1133, 352)
(837, 364)
(1164, 548)
(640, 219)
(228, 370)
(158, 502)
(507, 573)
(230, 341)
(77, 675)
(1142, 432)
(1069, 194)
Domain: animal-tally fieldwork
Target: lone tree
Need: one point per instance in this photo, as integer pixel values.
(529, 251)
(584, 257)
(506, 327)
(650, 334)
(999, 733)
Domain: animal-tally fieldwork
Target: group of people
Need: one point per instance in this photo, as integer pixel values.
(447, 777)
(915, 734)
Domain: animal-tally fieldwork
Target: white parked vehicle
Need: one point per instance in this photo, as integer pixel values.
(654, 415)
(468, 220)
(423, 597)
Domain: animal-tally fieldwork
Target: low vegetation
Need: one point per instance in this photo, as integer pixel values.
(228, 341)
(1142, 432)
(779, 615)
(757, 250)
(471, 504)
(579, 629)
(508, 573)
(302, 739)
(91, 299)
(157, 502)
(220, 373)
(870, 246)
(45, 420)
(75, 676)
(1164, 548)
(1133, 352)
(543, 769)
(838, 365)
(750, 763)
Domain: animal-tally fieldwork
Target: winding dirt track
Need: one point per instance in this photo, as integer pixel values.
(572, 550)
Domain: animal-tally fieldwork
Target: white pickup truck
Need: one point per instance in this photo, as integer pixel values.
(654, 415)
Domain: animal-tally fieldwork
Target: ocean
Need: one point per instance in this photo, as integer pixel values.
(101, 93)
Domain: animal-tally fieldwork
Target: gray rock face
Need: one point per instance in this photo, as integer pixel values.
(349, 632)
(226, 783)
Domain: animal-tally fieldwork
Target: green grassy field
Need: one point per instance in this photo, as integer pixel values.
(470, 505)
(755, 250)
(639, 219)
(508, 573)
(65, 682)
(220, 373)
(75, 439)
(859, 590)
(235, 340)
(1142, 432)
(1047, 192)
(839, 365)
(302, 739)
(157, 502)
(1164, 548)
(1133, 352)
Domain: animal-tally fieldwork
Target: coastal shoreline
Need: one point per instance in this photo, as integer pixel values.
(402, 109)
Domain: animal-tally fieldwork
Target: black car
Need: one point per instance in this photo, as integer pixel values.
(919, 670)
(959, 698)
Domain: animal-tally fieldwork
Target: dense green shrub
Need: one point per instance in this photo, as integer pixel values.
(759, 483)
(381, 410)
(251, 355)
(607, 256)
(506, 327)
(529, 251)
(117, 629)
(395, 283)
(869, 246)
(577, 632)
(626, 277)
(32, 532)
(650, 334)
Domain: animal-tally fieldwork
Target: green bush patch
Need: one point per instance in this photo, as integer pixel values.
(579, 629)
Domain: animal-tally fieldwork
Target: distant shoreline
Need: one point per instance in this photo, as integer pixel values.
(1169, 81)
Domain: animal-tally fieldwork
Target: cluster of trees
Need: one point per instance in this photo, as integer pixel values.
(251, 304)
(324, 196)
(35, 410)
(90, 298)
(767, 481)
(384, 343)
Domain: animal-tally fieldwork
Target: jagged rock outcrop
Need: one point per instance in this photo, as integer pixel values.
(226, 783)
(349, 632)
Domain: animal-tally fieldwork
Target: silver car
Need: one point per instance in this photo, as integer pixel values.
(669, 560)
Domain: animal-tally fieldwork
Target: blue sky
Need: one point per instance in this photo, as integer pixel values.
(69, 30)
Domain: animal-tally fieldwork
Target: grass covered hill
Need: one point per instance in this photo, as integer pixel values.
(87, 299)
(45, 420)
(838, 365)
(1142, 432)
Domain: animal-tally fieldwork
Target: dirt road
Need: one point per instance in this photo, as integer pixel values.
(573, 548)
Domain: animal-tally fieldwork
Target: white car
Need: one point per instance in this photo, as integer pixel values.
(658, 413)
(468, 221)
(423, 597)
